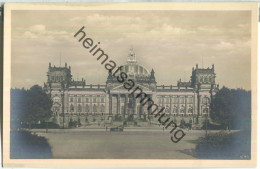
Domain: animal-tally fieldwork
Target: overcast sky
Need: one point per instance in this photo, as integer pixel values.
(170, 42)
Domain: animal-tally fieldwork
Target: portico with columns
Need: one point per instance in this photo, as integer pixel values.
(127, 105)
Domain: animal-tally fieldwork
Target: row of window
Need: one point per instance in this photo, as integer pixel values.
(175, 100)
(87, 108)
(181, 100)
(79, 99)
(206, 79)
(57, 78)
(95, 108)
(205, 100)
(183, 110)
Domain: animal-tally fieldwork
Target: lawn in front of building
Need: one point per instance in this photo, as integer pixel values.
(133, 143)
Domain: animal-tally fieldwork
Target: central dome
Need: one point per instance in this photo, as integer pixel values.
(132, 68)
(136, 70)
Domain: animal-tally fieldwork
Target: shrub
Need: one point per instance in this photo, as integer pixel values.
(79, 123)
(223, 145)
(24, 145)
(86, 120)
(213, 126)
(72, 123)
(43, 125)
(182, 125)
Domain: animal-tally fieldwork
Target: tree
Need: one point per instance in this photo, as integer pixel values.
(232, 108)
(39, 104)
(18, 107)
(242, 109)
(30, 106)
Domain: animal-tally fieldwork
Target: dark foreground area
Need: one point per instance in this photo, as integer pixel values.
(132, 143)
(223, 145)
(25, 145)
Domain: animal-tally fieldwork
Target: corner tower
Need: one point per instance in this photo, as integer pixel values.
(203, 78)
(58, 75)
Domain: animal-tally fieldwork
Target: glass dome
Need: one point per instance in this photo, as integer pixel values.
(132, 68)
(135, 70)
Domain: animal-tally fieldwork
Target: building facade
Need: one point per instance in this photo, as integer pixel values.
(77, 99)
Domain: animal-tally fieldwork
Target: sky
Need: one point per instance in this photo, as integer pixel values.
(170, 42)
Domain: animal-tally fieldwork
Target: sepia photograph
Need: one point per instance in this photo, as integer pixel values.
(117, 84)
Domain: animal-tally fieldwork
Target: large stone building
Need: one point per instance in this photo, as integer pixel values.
(79, 100)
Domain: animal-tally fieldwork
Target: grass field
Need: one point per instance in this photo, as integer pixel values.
(133, 143)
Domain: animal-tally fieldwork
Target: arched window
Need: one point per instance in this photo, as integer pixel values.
(205, 100)
(181, 100)
(87, 108)
(71, 99)
(94, 108)
(175, 109)
(102, 99)
(94, 99)
(79, 108)
(56, 99)
(102, 108)
(71, 108)
(201, 79)
(56, 110)
(206, 79)
(176, 100)
(190, 110)
(138, 109)
(182, 109)
(167, 109)
(205, 110)
(167, 100)
(159, 100)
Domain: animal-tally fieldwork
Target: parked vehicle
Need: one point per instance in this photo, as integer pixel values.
(118, 128)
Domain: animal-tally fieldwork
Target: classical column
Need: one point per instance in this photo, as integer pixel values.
(106, 103)
(58, 117)
(65, 102)
(110, 104)
(118, 104)
(91, 105)
(76, 105)
(149, 103)
(128, 109)
(199, 104)
(186, 105)
(98, 108)
(138, 106)
(170, 105)
(162, 101)
(141, 107)
(208, 105)
(194, 104)
(134, 101)
(126, 104)
(178, 105)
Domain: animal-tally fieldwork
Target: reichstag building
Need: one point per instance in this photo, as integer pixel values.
(76, 99)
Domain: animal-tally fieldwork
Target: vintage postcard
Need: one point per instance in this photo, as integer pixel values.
(130, 84)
